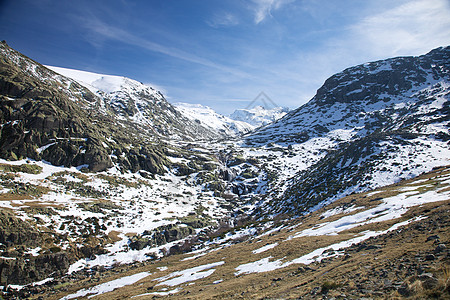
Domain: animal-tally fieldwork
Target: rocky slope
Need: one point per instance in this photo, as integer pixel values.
(81, 168)
(366, 127)
(45, 115)
(140, 105)
(391, 243)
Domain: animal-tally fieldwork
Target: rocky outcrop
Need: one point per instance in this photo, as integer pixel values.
(160, 236)
(14, 231)
(47, 116)
(22, 270)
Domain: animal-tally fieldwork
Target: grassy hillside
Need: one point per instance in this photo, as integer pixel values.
(389, 243)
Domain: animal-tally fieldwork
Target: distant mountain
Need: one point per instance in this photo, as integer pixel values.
(241, 121)
(259, 116)
(207, 117)
(368, 126)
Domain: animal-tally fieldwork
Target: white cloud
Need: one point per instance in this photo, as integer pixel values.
(412, 28)
(105, 31)
(263, 8)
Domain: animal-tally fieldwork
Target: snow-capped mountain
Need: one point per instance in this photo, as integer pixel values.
(100, 171)
(241, 121)
(139, 103)
(207, 117)
(259, 116)
(46, 115)
(368, 126)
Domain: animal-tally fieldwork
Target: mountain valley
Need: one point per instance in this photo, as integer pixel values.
(109, 191)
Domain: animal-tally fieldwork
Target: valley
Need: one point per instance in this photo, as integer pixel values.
(108, 190)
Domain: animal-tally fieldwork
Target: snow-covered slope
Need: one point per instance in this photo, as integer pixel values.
(139, 103)
(368, 126)
(241, 121)
(259, 116)
(209, 118)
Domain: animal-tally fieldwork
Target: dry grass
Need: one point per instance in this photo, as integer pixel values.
(114, 236)
(12, 196)
(357, 274)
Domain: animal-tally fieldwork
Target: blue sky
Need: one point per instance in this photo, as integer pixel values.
(223, 53)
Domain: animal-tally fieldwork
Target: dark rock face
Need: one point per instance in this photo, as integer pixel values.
(47, 116)
(24, 271)
(14, 231)
(16, 267)
(160, 236)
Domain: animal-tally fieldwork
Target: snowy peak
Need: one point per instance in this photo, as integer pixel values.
(207, 117)
(242, 121)
(259, 116)
(104, 83)
(140, 104)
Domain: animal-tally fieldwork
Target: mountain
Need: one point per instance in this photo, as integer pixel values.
(140, 104)
(97, 172)
(48, 116)
(207, 117)
(107, 190)
(241, 121)
(259, 116)
(368, 126)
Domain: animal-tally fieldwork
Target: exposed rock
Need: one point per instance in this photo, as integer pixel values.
(14, 231)
(160, 236)
(434, 237)
(428, 281)
(440, 248)
(23, 271)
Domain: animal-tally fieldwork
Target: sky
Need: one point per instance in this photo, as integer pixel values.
(221, 53)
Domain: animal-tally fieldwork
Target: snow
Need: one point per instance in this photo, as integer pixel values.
(98, 82)
(209, 118)
(260, 266)
(192, 274)
(41, 149)
(264, 248)
(171, 292)
(108, 286)
(390, 208)
(321, 253)
(150, 204)
(34, 252)
(259, 116)
(265, 265)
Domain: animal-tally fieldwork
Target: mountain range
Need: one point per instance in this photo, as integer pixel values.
(104, 183)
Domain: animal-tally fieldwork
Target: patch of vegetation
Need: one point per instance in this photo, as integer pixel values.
(27, 189)
(99, 207)
(328, 286)
(24, 168)
(116, 181)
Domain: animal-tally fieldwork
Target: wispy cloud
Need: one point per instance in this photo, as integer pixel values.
(263, 8)
(414, 27)
(224, 19)
(106, 31)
